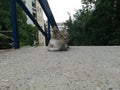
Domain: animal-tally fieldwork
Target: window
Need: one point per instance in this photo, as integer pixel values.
(33, 3)
(35, 15)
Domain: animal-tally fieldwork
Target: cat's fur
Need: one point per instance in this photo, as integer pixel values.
(59, 40)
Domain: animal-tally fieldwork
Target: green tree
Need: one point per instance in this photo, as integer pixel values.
(5, 22)
(81, 17)
(97, 23)
(28, 34)
(102, 26)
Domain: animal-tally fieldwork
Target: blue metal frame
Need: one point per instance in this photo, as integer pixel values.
(20, 2)
(49, 35)
(14, 24)
(45, 6)
(47, 11)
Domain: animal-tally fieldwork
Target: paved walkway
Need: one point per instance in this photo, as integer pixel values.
(79, 68)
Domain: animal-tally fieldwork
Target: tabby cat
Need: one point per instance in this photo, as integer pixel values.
(59, 40)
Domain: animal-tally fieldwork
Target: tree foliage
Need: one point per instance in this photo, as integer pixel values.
(97, 23)
(4, 14)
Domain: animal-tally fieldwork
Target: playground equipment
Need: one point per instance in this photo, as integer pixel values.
(46, 8)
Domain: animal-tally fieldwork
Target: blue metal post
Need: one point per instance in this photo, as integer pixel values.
(14, 24)
(49, 34)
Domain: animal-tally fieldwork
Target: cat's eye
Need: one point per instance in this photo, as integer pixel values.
(61, 35)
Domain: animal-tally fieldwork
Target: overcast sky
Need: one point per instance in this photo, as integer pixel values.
(61, 7)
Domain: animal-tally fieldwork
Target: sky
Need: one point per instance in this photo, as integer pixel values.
(60, 8)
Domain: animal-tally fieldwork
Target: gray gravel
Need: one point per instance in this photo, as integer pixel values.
(79, 68)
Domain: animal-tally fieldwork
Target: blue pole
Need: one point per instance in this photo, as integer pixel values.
(14, 24)
(49, 35)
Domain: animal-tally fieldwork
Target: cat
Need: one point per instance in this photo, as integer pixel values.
(59, 40)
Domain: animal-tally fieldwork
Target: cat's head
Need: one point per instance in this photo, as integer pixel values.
(63, 34)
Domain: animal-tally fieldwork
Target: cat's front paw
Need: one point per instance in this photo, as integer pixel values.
(53, 49)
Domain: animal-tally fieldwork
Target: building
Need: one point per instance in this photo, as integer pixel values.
(37, 12)
(41, 21)
(61, 25)
(31, 5)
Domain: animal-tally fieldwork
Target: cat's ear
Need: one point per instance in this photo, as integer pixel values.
(55, 29)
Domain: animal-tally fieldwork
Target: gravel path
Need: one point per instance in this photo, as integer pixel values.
(79, 68)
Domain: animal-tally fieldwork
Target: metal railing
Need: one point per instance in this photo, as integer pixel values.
(46, 8)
